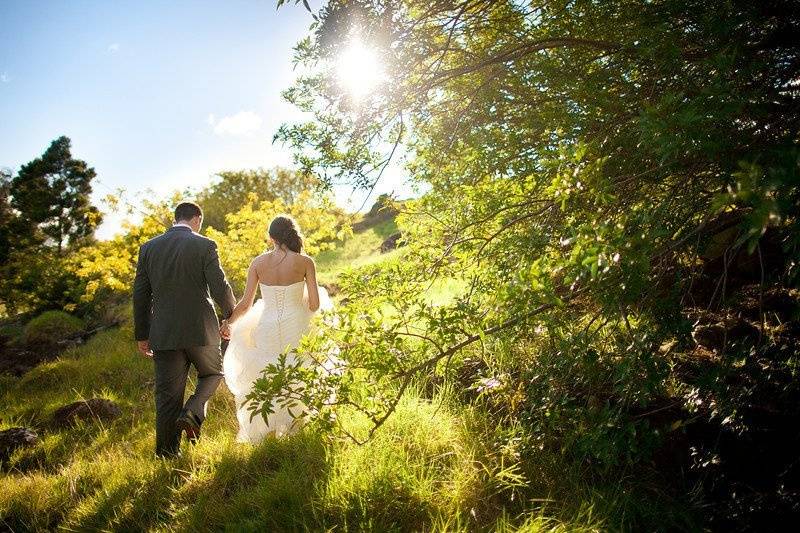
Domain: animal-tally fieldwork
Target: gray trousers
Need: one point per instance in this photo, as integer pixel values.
(171, 371)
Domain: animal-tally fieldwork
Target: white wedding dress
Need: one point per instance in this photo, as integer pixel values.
(277, 321)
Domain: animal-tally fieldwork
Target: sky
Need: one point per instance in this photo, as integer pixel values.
(154, 95)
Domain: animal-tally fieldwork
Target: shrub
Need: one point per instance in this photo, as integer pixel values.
(51, 326)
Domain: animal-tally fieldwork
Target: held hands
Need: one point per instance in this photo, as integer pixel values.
(225, 330)
(144, 348)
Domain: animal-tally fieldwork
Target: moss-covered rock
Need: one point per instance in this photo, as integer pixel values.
(51, 327)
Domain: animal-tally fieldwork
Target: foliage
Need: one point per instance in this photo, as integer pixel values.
(568, 150)
(101, 269)
(45, 214)
(235, 187)
(33, 281)
(50, 327)
(108, 267)
(427, 472)
(578, 165)
(11, 331)
(246, 237)
(50, 196)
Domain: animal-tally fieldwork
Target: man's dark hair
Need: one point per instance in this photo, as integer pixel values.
(187, 211)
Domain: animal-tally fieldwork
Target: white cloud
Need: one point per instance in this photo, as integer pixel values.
(242, 123)
(4, 77)
(211, 119)
(113, 48)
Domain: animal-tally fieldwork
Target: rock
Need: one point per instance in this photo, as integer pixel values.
(722, 256)
(711, 336)
(742, 330)
(92, 409)
(391, 242)
(773, 302)
(385, 208)
(468, 375)
(789, 329)
(14, 438)
(715, 336)
(16, 360)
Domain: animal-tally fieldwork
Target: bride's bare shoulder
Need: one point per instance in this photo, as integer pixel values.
(260, 259)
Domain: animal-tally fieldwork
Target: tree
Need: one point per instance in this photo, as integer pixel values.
(575, 157)
(233, 190)
(51, 196)
(104, 268)
(46, 214)
(578, 157)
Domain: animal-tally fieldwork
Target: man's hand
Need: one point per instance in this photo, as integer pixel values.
(225, 330)
(144, 348)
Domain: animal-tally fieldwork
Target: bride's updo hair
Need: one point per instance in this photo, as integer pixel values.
(284, 231)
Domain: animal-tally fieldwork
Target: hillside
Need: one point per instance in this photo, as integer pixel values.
(450, 458)
(427, 468)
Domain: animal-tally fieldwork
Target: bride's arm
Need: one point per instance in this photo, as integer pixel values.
(246, 302)
(311, 285)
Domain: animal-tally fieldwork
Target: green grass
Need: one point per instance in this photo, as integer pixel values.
(51, 326)
(363, 249)
(434, 466)
(358, 250)
(424, 471)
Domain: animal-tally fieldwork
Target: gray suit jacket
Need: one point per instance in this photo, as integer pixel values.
(177, 276)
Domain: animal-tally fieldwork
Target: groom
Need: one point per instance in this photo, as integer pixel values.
(175, 323)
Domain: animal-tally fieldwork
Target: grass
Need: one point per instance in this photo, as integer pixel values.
(360, 249)
(424, 471)
(434, 466)
(363, 249)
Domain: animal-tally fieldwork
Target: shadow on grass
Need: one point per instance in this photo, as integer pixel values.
(134, 498)
(220, 485)
(267, 487)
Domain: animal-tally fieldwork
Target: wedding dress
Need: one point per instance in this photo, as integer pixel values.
(277, 321)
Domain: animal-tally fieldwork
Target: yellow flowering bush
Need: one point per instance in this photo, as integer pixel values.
(109, 266)
(246, 237)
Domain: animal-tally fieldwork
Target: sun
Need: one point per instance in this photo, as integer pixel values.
(358, 69)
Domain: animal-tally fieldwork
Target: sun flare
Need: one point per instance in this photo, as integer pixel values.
(358, 69)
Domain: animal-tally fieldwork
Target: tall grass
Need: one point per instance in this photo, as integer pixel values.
(436, 465)
(424, 471)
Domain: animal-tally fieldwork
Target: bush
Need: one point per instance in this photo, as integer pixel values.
(50, 327)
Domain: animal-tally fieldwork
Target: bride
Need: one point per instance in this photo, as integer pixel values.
(260, 332)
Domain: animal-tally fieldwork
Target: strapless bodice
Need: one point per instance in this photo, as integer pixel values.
(280, 298)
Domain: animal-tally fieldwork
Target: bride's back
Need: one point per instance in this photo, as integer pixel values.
(280, 267)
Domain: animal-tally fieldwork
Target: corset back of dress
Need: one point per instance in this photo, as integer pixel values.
(278, 297)
(284, 318)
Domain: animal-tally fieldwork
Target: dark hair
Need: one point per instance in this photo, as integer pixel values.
(187, 211)
(284, 231)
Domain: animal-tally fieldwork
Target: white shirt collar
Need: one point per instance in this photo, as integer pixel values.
(181, 224)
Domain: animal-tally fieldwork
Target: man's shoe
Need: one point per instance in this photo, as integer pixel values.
(188, 422)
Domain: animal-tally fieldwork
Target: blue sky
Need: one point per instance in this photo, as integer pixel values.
(154, 95)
